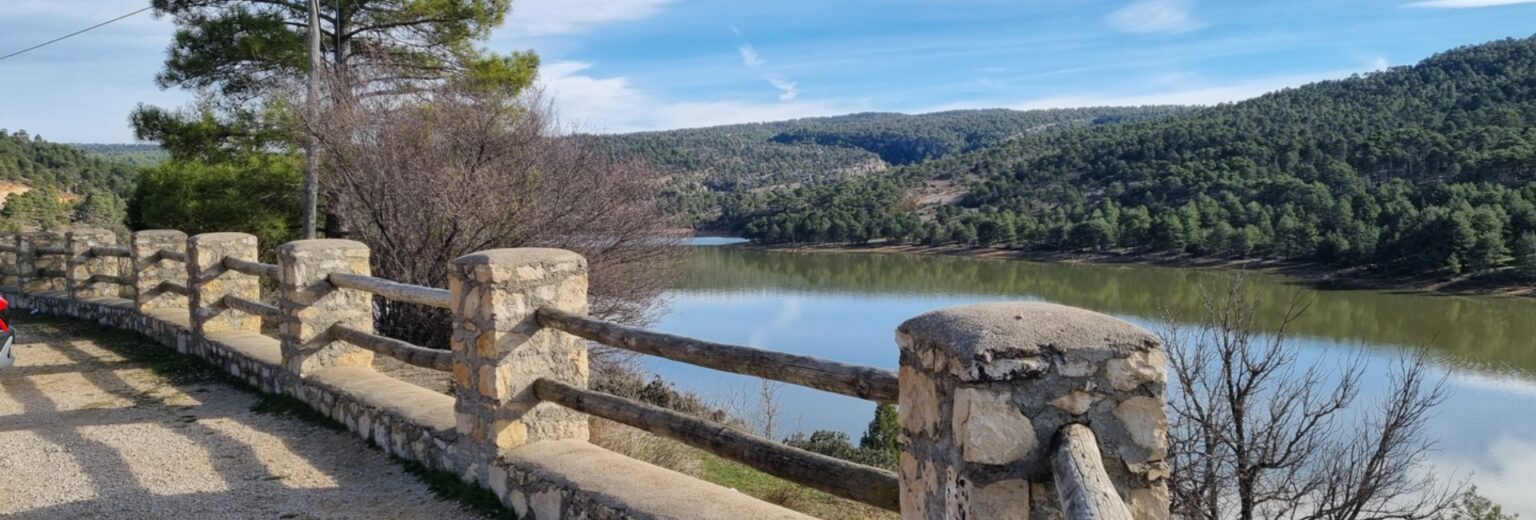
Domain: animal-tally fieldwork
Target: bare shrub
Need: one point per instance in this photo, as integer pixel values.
(1255, 435)
(426, 177)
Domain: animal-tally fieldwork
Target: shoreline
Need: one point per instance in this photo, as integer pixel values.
(1314, 274)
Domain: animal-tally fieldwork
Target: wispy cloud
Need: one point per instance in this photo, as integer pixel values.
(1155, 16)
(787, 89)
(615, 104)
(1466, 4)
(531, 18)
(749, 56)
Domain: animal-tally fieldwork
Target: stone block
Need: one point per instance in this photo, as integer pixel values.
(310, 304)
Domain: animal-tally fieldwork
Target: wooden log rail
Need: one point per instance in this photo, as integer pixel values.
(1082, 485)
(107, 278)
(267, 312)
(51, 273)
(251, 268)
(173, 288)
(9, 249)
(858, 381)
(865, 484)
(117, 252)
(396, 291)
(403, 351)
(51, 250)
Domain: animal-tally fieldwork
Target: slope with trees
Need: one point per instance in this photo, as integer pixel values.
(1428, 168)
(711, 167)
(49, 185)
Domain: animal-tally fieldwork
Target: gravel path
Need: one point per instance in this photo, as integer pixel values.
(86, 433)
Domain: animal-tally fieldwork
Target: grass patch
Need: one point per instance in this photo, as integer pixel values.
(448, 486)
(782, 492)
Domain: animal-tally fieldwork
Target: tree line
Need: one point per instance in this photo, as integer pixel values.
(1417, 168)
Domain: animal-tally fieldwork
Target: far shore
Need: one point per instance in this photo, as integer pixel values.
(1316, 274)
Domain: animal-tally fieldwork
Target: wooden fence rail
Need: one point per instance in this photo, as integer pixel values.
(858, 381)
(111, 252)
(1082, 485)
(107, 278)
(173, 288)
(401, 350)
(872, 486)
(408, 293)
(52, 273)
(267, 312)
(51, 250)
(251, 268)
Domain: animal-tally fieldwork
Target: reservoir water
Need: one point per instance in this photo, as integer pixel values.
(847, 306)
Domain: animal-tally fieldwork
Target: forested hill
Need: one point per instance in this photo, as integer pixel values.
(48, 185)
(706, 162)
(1425, 167)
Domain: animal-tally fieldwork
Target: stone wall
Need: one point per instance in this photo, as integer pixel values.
(547, 471)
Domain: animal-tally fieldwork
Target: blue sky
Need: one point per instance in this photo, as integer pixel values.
(624, 65)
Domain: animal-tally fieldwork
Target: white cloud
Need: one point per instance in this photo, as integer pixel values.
(614, 104)
(555, 17)
(749, 56)
(787, 89)
(1379, 63)
(1154, 16)
(1464, 4)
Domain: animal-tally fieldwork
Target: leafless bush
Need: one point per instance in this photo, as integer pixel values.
(1254, 435)
(426, 177)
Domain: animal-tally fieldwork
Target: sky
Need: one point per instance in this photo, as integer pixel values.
(630, 65)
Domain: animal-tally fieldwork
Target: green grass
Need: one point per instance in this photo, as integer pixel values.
(782, 492)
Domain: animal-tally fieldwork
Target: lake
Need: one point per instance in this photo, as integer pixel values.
(847, 306)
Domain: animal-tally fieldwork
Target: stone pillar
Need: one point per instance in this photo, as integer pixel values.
(150, 269)
(29, 262)
(10, 268)
(310, 304)
(83, 264)
(208, 281)
(499, 350)
(985, 388)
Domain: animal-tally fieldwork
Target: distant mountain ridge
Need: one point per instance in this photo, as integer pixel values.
(1431, 167)
(705, 163)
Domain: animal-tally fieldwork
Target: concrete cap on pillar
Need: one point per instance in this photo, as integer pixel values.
(1002, 341)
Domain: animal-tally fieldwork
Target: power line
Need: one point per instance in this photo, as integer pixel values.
(73, 34)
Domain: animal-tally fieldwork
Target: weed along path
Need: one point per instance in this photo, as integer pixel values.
(101, 424)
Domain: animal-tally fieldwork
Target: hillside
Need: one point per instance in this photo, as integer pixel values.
(704, 163)
(134, 154)
(49, 185)
(1429, 167)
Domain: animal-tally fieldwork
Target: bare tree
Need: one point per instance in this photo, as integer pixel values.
(1255, 435)
(431, 175)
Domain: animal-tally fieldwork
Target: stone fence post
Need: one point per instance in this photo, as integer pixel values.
(10, 268)
(83, 265)
(150, 269)
(310, 304)
(28, 261)
(208, 281)
(985, 388)
(499, 350)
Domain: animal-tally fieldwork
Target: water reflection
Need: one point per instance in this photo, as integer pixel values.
(1490, 333)
(847, 306)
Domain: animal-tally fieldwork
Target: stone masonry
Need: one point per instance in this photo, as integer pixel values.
(150, 269)
(83, 264)
(310, 304)
(500, 350)
(8, 265)
(209, 281)
(985, 388)
(29, 262)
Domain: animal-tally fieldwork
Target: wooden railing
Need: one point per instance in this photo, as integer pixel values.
(992, 396)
